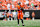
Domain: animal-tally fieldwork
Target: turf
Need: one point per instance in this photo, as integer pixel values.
(27, 23)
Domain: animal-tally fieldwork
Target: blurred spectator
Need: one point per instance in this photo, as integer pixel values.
(38, 0)
(28, 4)
(33, 15)
(4, 6)
(12, 6)
(0, 6)
(8, 6)
(38, 7)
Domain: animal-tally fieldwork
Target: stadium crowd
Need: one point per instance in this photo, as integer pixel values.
(27, 4)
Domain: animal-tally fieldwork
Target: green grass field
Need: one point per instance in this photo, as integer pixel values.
(27, 23)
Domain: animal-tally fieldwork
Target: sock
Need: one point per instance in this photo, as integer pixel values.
(22, 21)
(18, 21)
(8, 19)
(11, 19)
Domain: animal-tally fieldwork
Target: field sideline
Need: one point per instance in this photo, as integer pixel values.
(27, 23)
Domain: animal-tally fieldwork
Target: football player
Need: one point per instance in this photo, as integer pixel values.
(20, 13)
